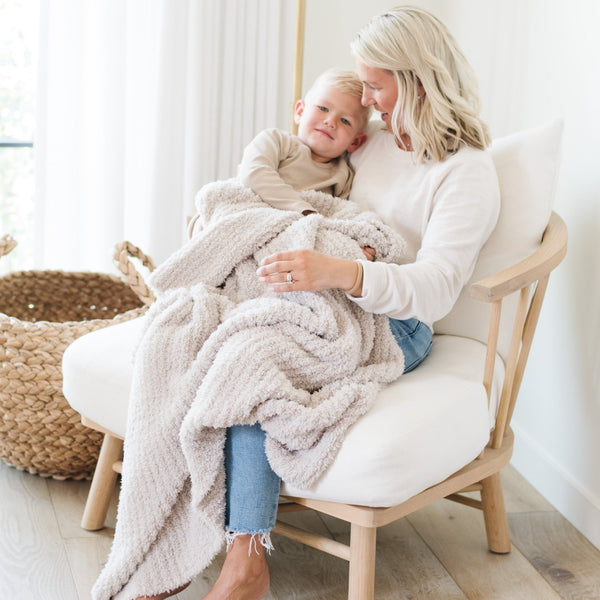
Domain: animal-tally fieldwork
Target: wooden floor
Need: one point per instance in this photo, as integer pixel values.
(438, 553)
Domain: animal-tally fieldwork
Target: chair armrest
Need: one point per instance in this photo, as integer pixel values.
(547, 257)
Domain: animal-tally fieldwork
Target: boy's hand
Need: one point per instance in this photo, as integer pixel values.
(369, 253)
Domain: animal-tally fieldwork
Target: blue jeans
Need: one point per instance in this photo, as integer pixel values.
(415, 339)
(252, 487)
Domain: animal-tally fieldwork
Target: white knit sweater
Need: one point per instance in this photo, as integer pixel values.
(444, 210)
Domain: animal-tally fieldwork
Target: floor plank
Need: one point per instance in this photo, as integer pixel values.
(87, 556)
(564, 557)
(456, 535)
(33, 560)
(68, 498)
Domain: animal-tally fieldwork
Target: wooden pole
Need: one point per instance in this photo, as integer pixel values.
(298, 60)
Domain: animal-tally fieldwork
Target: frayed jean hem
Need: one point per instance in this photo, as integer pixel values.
(256, 537)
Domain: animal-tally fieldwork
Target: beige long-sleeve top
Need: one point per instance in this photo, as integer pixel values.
(277, 166)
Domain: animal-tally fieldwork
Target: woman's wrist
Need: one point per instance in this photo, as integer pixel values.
(356, 289)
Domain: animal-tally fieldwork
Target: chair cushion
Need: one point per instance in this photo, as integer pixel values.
(97, 372)
(527, 166)
(421, 429)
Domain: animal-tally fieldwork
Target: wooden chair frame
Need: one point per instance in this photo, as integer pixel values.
(529, 279)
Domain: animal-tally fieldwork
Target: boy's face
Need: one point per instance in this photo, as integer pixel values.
(329, 122)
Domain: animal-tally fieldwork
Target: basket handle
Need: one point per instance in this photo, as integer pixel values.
(124, 252)
(7, 243)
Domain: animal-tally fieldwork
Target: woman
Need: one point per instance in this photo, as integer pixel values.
(427, 175)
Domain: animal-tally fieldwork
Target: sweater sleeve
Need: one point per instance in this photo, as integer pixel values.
(259, 170)
(463, 213)
(343, 187)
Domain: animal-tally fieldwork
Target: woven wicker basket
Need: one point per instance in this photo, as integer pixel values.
(41, 313)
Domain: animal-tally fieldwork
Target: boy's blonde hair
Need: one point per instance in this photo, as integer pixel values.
(347, 82)
(418, 49)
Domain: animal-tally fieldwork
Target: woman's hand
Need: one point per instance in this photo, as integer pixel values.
(308, 271)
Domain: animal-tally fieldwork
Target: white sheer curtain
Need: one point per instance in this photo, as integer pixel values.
(140, 103)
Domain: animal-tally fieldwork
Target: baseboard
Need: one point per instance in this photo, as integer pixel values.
(576, 503)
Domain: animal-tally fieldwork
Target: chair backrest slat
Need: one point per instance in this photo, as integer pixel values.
(511, 367)
(528, 331)
(492, 347)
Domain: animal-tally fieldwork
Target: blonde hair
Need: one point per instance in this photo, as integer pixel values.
(347, 82)
(418, 50)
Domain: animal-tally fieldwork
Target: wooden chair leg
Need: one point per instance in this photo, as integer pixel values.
(361, 584)
(494, 514)
(103, 484)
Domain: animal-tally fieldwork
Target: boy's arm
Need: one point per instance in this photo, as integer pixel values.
(343, 188)
(259, 170)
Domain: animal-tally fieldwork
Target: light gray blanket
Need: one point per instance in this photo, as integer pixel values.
(219, 349)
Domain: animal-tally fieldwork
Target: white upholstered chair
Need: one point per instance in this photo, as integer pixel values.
(438, 431)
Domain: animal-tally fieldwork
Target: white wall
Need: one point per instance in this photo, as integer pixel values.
(536, 59)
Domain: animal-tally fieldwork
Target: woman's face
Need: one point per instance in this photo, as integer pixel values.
(379, 91)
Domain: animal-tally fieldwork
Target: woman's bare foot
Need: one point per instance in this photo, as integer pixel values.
(164, 594)
(244, 575)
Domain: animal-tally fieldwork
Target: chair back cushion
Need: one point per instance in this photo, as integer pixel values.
(527, 166)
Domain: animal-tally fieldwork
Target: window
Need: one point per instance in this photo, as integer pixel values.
(19, 22)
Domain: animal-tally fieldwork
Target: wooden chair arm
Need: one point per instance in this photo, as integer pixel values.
(546, 258)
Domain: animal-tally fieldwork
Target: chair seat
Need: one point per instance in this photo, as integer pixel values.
(421, 429)
(97, 372)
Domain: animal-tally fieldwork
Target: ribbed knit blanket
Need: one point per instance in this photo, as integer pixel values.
(220, 349)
